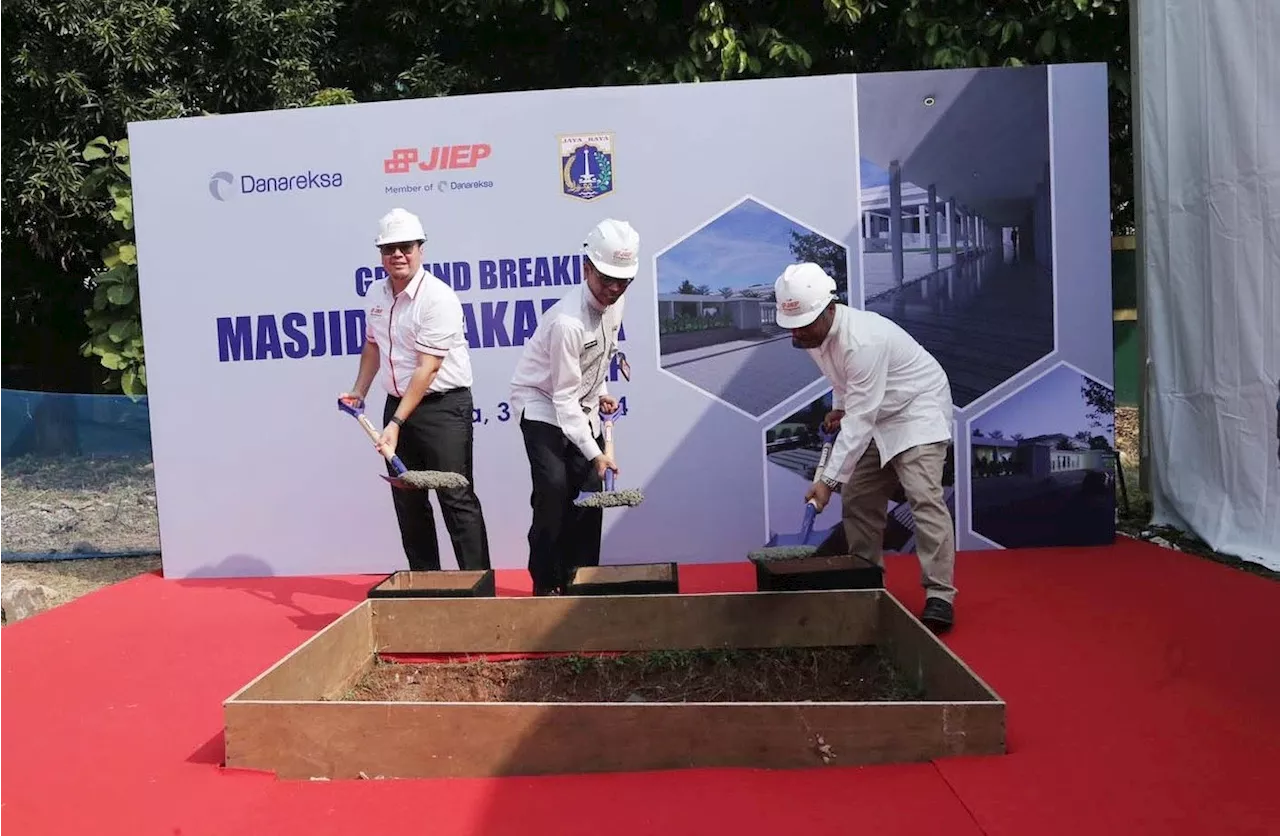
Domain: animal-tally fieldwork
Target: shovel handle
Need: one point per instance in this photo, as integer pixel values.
(608, 420)
(822, 462)
(375, 435)
(806, 527)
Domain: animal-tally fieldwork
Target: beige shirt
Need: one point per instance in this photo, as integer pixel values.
(892, 391)
(425, 317)
(565, 366)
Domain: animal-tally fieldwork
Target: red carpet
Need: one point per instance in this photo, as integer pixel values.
(1141, 685)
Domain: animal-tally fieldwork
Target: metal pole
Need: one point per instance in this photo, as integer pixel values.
(1139, 266)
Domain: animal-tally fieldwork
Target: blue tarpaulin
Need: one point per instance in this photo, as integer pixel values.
(62, 424)
(57, 424)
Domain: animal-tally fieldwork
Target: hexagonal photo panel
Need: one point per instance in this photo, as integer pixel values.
(957, 227)
(793, 448)
(717, 320)
(1043, 464)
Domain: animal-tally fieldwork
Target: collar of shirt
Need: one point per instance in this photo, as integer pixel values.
(589, 299)
(832, 341)
(411, 289)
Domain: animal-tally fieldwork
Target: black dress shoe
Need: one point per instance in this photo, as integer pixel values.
(938, 615)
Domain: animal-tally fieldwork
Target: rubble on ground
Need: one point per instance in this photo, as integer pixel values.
(22, 598)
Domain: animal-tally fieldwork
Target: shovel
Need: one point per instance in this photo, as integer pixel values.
(609, 498)
(804, 543)
(415, 480)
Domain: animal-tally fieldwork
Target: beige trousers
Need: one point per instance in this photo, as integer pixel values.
(865, 498)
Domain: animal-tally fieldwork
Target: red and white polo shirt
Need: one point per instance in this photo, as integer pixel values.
(424, 317)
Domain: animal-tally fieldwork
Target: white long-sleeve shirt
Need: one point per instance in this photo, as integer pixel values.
(892, 391)
(563, 370)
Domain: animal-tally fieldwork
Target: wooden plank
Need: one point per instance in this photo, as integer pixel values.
(843, 571)
(454, 740)
(410, 580)
(626, 622)
(624, 574)
(449, 583)
(287, 721)
(930, 664)
(627, 579)
(324, 666)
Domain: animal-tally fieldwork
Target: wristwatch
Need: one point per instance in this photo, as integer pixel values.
(397, 421)
(831, 483)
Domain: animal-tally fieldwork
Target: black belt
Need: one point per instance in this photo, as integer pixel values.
(431, 396)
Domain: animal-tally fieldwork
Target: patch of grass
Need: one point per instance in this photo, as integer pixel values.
(820, 674)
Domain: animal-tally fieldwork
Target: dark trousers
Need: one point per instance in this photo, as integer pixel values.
(438, 435)
(563, 536)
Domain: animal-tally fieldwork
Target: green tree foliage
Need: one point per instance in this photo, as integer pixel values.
(1102, 404)
(976, 33)
(76, 70)
(115, 318)
(830, 256)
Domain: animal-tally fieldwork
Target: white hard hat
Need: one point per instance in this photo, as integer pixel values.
(398, 226)
(614, 248)
(802, 292)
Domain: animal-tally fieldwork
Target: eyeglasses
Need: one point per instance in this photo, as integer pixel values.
(405, 247)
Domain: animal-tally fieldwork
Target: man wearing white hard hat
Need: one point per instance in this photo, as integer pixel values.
(892, 402)
(417, 348)
(559, 391)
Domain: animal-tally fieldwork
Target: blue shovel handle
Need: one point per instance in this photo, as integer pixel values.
(372, 431)
(806, 527)
(608, 480)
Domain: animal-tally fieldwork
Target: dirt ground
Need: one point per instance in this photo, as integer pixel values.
(1127, 438)
(79, 505)
(85, 505)
(781, 675)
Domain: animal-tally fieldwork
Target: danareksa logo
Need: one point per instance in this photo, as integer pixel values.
(223, 184)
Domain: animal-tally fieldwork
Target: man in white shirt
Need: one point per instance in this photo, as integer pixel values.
(559, 391)
(892, 401)
(417, 347)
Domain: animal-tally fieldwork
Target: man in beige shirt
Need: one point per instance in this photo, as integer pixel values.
(892, 403)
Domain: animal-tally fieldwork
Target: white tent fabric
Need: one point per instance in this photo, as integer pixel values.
(1207, 102)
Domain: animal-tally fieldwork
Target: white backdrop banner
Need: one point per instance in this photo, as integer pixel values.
(255, 238)
(1209, 93)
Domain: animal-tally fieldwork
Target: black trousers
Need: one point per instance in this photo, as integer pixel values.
(562, 536)
(439, 435)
